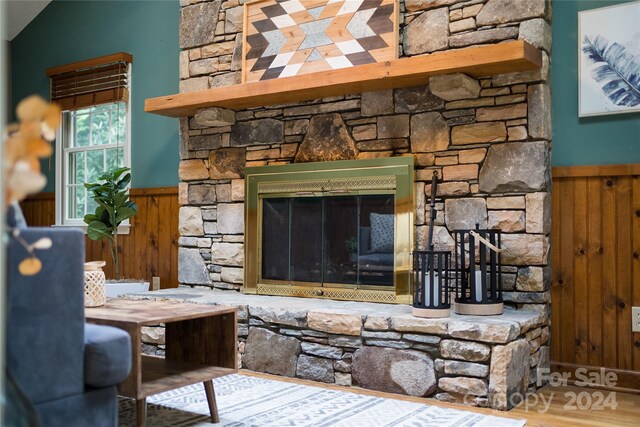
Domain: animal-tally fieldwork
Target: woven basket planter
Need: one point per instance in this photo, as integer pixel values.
(94, 288)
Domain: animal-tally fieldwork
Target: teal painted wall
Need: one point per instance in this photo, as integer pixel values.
(69, 31)
(612, 139)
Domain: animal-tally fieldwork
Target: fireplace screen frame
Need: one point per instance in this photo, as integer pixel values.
(393, 175)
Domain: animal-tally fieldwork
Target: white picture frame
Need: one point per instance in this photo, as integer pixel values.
(608, 54)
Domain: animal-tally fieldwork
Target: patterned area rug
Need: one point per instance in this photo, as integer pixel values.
(245, 401)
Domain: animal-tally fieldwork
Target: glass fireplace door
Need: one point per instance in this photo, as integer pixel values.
(328, 240)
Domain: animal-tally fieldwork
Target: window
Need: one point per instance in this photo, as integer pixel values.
(94, 136)
(93, 141)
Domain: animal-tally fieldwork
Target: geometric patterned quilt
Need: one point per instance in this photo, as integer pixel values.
(284, 38)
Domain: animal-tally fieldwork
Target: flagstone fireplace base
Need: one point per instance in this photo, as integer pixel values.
(481, 361)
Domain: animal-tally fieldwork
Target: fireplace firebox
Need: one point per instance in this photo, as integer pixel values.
(339, 230)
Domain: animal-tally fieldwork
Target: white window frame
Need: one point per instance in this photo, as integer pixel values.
(61, 167)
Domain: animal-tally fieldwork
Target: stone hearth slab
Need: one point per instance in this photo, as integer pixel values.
(290, 310)
(482, 361)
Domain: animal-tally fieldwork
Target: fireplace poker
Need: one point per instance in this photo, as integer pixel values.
(434, 189)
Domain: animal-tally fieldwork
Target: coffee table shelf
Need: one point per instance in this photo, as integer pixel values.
(160, 375)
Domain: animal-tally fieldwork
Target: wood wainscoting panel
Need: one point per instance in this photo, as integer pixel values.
(595, 277)
(39, 210)
(151, 247)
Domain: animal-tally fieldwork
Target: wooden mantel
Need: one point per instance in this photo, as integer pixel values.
(477, 61)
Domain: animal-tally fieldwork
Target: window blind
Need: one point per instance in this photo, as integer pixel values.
(91, 82)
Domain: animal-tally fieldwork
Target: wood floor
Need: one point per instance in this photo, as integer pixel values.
(552, 406)
(563, 404)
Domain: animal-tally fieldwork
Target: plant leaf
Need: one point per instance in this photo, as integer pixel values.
(618, 71)
(30, 266)
(52, 115)
(120, 198)
(104, 216)
(23, 181)
(97, 230)
(122, 184)
(100, 210)
(89, 218)
(105, 205)
(124, 213)
(117, 172)
(42, 243)
(31, 108)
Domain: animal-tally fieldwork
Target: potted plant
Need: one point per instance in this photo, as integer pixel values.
(351, 245)
(111, 193)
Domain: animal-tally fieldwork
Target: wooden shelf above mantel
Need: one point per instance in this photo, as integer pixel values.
(477, 61)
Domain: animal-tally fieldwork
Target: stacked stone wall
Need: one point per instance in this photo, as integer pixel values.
(476, 361)
(488, 138)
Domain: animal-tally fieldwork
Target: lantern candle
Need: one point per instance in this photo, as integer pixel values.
(431, 283)
(478, 278)
(479, 271)
(436, 290)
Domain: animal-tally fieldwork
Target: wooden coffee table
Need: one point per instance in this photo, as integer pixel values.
(201, 344)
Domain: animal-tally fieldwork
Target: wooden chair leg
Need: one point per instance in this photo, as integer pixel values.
(141, 412)
(211, 400)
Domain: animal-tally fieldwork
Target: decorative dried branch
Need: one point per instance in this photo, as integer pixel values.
(24, 144)
(31, 265)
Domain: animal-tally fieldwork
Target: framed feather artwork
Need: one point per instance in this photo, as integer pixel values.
(609, 60)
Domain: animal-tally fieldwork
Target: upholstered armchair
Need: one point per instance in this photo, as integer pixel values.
(67, 368)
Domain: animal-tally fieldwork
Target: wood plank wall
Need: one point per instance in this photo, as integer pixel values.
(595, 278)
(595, 259)
(151, 247)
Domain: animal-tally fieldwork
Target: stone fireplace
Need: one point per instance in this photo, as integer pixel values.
(489, 139)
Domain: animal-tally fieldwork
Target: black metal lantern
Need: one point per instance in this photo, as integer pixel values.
(479, 272)
(431, 273)
(431, 277)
